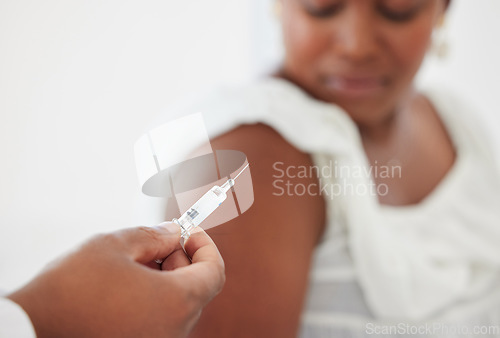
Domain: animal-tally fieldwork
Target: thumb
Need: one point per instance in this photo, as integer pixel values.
(145, 244)
(205, 276)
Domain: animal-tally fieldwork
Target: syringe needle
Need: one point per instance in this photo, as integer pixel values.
(230, 182)
(242, 170)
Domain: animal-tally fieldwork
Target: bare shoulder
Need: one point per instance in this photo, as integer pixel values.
(267, 152)
(267, 250)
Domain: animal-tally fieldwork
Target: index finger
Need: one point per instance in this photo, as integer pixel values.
(145, 244)
(205, 277)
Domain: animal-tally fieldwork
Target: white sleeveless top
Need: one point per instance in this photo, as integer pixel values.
(432, 267)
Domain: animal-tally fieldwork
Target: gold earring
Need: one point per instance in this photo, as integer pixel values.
(440, 46)
(277, 8)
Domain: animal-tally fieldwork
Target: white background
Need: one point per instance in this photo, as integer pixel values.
(81, 80)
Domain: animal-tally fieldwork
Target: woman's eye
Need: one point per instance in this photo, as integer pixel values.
(400, 10)
(325, 11)
(398, 16)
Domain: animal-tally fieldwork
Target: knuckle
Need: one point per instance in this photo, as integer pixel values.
(103, 239)
(220, 269)
(221, 274)
(150, 232)
(222, 277)
(222, 280)
(101, 243)
(111, 238)
(97, 237)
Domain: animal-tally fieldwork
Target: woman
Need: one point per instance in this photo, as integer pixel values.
(339, 261)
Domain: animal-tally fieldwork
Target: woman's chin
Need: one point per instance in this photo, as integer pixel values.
(365, 111)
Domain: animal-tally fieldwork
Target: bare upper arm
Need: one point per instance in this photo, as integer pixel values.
(267, 250)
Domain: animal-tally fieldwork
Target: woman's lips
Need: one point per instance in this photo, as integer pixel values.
(355, 86)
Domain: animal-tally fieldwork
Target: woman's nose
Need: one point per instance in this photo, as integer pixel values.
(355, 38)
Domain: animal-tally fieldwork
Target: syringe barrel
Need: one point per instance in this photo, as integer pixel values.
(200, 210)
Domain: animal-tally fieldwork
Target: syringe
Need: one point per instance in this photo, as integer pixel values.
(204, 206)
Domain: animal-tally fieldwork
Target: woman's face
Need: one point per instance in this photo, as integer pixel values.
(359, 54)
